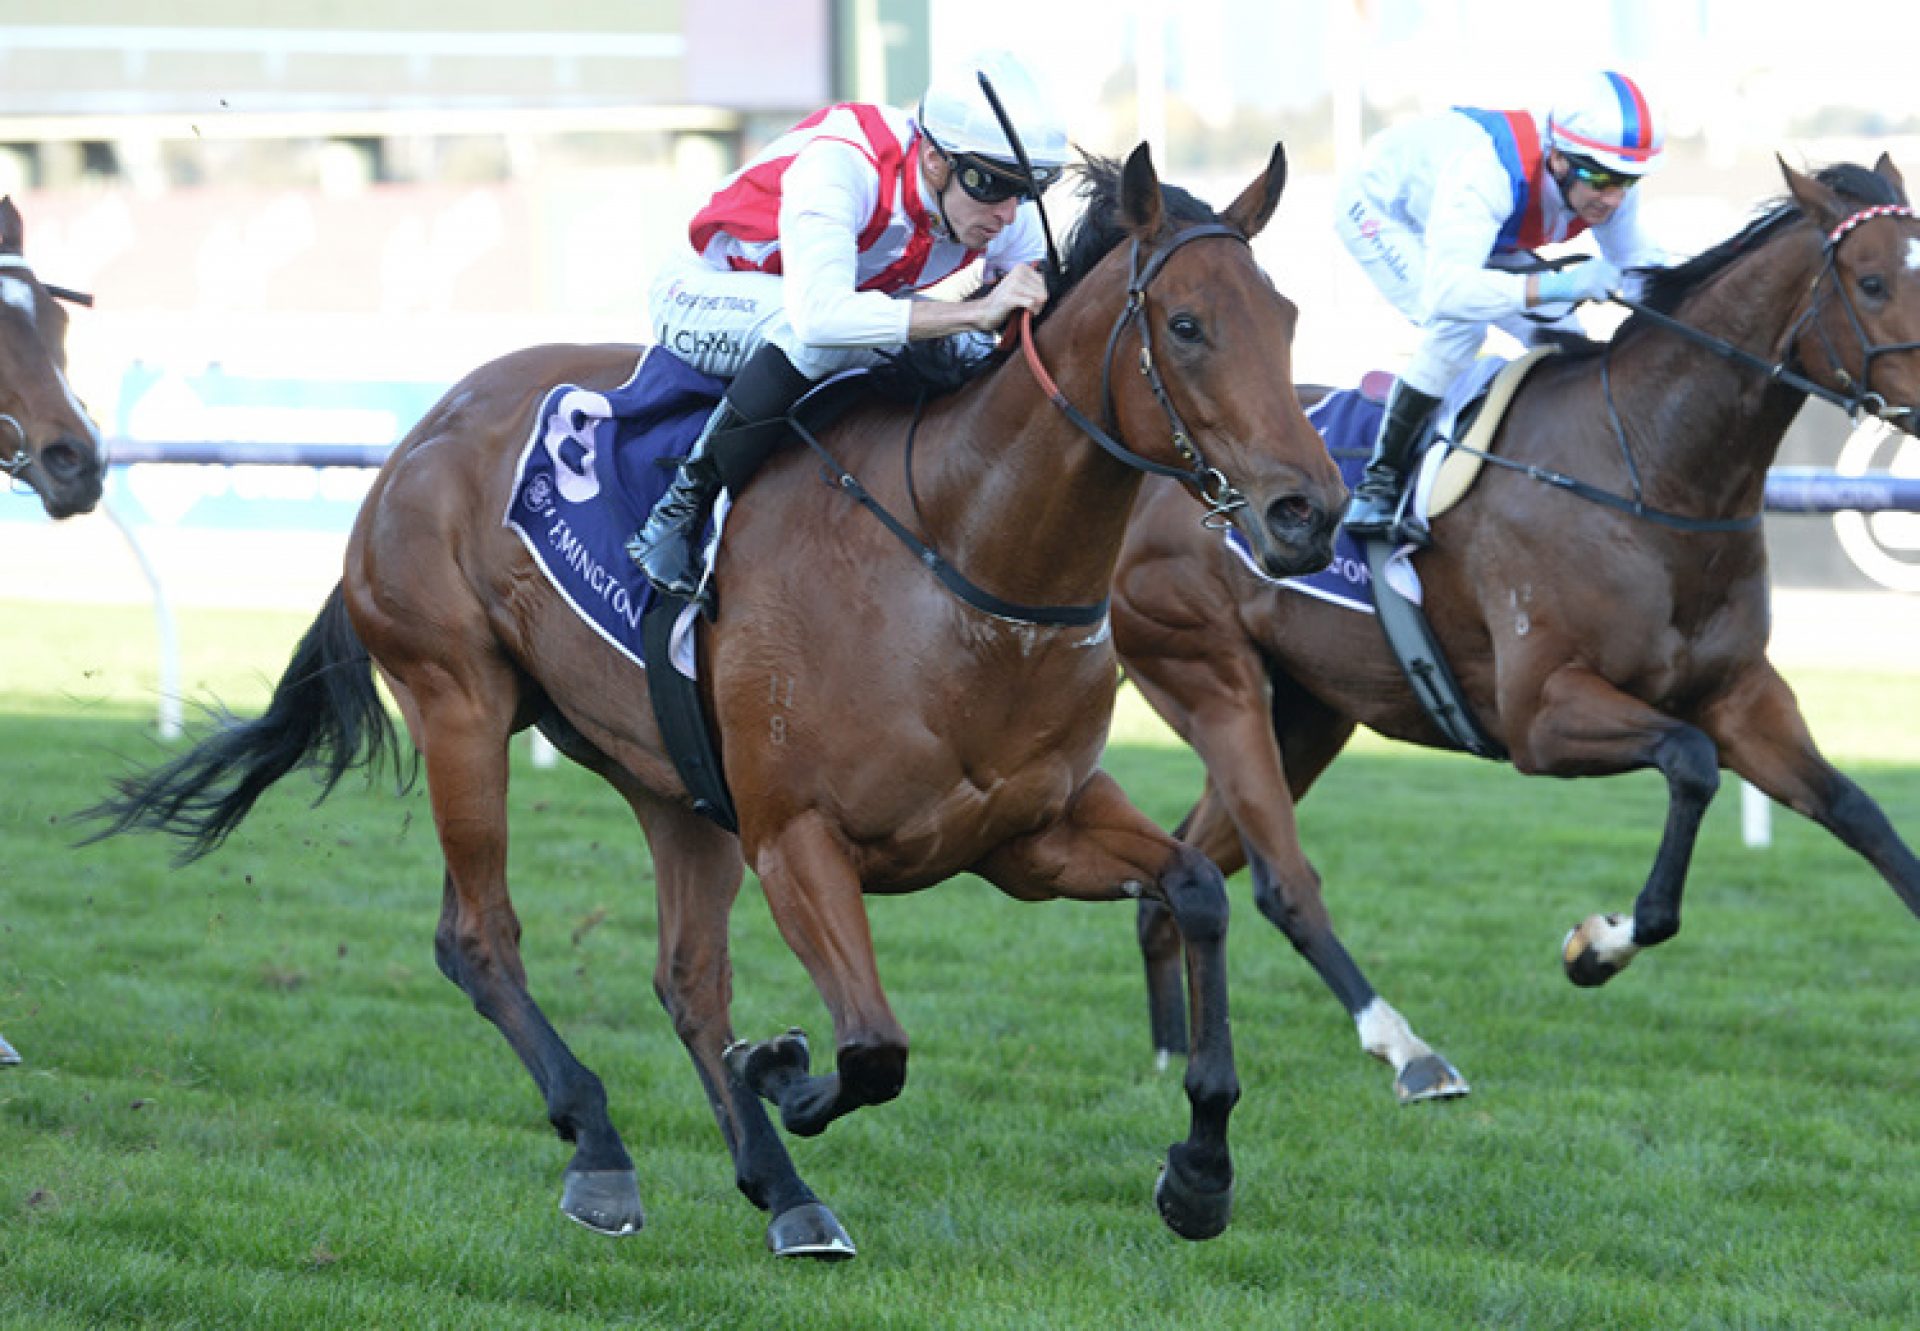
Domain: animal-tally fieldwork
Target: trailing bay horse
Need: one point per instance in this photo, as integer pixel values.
(1587, 639)
(879, 733)
(47, 441)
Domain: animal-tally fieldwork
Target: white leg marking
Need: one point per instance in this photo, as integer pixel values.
(1384, 1033)
(1611, 939)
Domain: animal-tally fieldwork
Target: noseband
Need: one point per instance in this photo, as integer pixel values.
(21, 459)
(1215, 491)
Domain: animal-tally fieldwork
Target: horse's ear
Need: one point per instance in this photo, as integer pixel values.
(1822, 206)
(1887, 171)
(12, 230)
(1140, 206)
(1250, 213)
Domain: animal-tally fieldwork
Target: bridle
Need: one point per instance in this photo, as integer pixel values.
(1862, 398)
(21, 459)
(1206, 481)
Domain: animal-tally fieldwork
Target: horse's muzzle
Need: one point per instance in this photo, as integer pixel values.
(69, 476)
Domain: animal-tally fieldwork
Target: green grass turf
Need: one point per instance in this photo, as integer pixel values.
(249, 1098)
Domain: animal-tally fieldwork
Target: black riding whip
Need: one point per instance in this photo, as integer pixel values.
(1026, 166)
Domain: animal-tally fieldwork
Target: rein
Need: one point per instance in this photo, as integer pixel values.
(1853, 401)
(67, 294)
(1209, 482)
(1847, 397)
(1057, 616)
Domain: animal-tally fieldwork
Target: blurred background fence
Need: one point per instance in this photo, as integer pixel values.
(304, 221)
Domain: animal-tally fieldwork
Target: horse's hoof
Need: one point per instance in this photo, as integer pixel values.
(1598, 948)
(761, 1067)
(606, 1201)
(808, 1230)
(1191, 1211)
(1582, 962)
(1429, 1077)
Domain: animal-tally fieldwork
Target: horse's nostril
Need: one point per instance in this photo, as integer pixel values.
(1290, 515)
(63, 460)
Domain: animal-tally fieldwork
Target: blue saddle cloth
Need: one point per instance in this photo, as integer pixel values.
(594, 465)
(1348, 421)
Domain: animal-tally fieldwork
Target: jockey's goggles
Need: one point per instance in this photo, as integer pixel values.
(986, 181)
(1590, 172)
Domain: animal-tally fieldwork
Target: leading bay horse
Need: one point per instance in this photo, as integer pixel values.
(879, 734)
(1587, 640)
(47, 441)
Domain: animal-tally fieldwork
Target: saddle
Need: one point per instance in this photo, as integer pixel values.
(1446, 470)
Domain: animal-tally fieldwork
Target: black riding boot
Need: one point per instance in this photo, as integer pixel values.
(1371, 512)
(747, 425)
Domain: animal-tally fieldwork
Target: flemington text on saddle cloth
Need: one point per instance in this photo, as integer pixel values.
(594, 465)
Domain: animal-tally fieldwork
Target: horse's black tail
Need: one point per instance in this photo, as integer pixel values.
(325, 714)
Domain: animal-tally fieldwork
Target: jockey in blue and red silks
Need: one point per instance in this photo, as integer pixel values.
(1445, 207)
(802, 260)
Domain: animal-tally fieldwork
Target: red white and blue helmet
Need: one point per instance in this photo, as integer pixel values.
(1605, 119)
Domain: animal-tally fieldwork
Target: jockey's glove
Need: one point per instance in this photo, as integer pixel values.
(1595, 279)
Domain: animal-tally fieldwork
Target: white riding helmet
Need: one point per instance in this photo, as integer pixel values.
(1605, 119)
(956, 115)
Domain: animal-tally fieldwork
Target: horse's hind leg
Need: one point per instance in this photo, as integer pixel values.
(697, 868)
(1763, 737)
(463, 729)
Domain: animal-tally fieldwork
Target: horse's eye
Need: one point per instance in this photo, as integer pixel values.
(1873, 286)
(1185, 327)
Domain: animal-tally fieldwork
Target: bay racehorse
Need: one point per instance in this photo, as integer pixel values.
(1587, 639)
(47, 441)
(879, 734)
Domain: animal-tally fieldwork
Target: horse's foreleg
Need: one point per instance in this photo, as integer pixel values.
(1209, 830)
(1765, 739)
(815, 897)
(1586, 727)
(698, 869)
(1105, 849)
(477, 945)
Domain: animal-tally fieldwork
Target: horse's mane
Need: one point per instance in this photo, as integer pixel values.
(1667, 287)
(936, 366)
